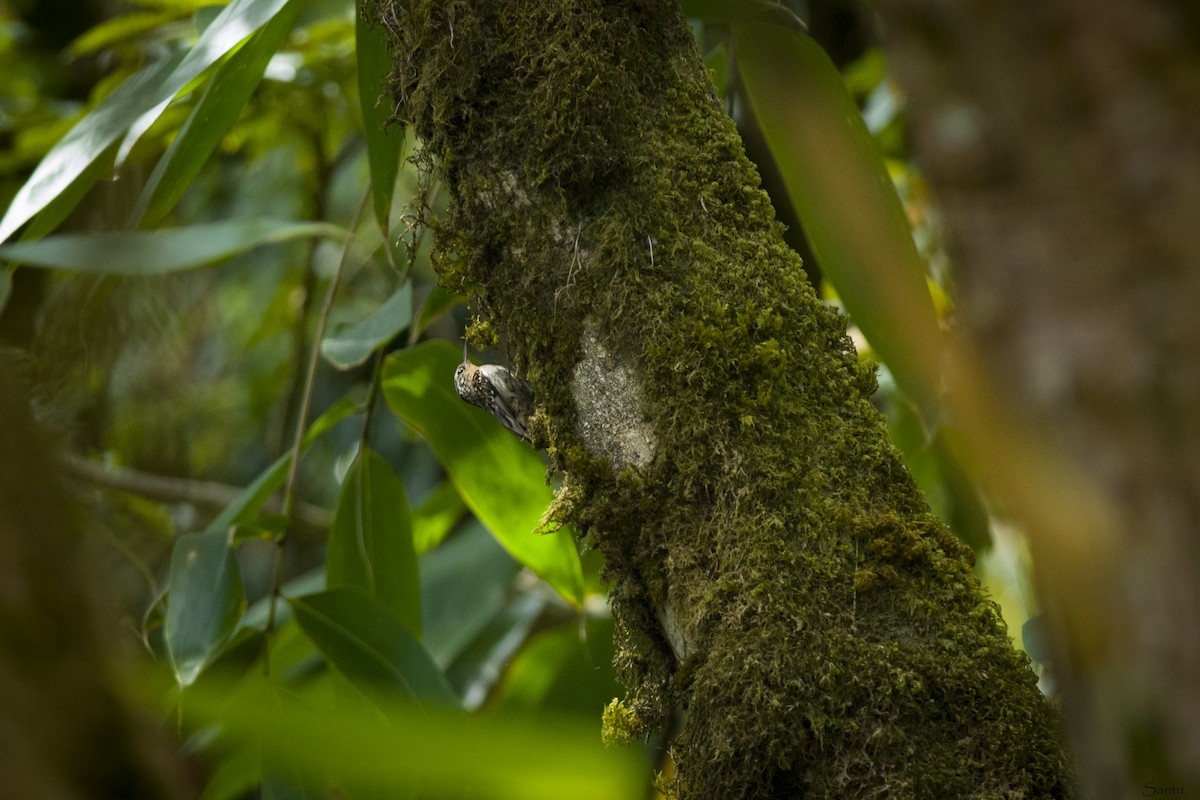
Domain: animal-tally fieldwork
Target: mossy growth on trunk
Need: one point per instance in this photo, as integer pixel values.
(776, 574)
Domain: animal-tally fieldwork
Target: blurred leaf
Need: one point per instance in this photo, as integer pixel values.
(840, 186)
(370, 545)
(152, 87)
(1033, 636)
(437, 515)
(769, 12)
(252, 498)
(349, 345)
(370, 645)
(480, 665)
(534, 672)
(499, 476)
(161, 251)
(218, 108)
(234, 776)
(934, 465)
(75, 155)
(567, 669)
(967, 516)
(205, 600)
(437, 303)
(264, 527)
(465, 583)
(255, 617)
(383, 141)
(435, 754)
(717, 64)
(119, 30)
(287, 787)
(906, 432)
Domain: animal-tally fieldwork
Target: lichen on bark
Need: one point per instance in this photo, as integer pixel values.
(776, 573)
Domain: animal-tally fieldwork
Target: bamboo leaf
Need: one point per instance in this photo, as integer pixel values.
(136, 103)
(161, 251)
(218, 108)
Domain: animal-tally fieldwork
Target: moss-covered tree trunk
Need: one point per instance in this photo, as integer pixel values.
(777, 575)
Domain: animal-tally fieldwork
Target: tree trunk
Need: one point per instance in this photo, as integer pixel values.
(67, 730)
(1061, 140)
(776, 573)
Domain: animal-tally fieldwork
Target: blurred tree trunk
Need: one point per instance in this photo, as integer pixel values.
(66, 730)
(1061, 141)
(776, 573)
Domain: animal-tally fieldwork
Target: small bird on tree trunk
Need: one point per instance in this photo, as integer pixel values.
(497, 391)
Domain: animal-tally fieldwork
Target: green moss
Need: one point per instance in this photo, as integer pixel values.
(621, 725)
(838, 643)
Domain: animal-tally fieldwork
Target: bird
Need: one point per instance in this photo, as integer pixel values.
(497, 391)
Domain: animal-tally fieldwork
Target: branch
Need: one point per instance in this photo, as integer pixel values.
(312, 521)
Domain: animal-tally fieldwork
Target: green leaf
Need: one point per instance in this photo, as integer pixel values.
(464, 584)
(439, 753)
(370, 545)
(436, 516)
(383, 141)
(161, 251)
(769, 12)
(143, 95)
(204, 604)
(499, 476)
(236, 21)
(349, 345)
(252, 498)
(360, 636)
(218, 108)
(846, 201)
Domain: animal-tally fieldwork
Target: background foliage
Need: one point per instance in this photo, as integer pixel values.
(217, 289)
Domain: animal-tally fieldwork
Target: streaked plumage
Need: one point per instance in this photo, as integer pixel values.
(497, 391)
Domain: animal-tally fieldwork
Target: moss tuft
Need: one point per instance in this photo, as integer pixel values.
(621, 724)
